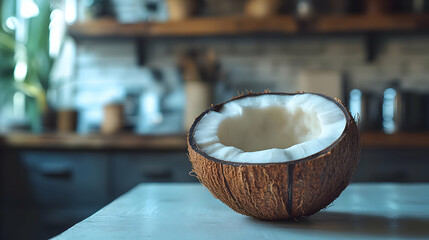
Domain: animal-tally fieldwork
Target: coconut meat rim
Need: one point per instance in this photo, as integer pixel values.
(270, 128)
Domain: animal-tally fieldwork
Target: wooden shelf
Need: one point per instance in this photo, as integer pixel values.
(95, 141)
(178, 142)
(109, 27)
(363, 23)
(190, 27)
(401, 140)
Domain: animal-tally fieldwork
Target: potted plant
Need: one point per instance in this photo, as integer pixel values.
(25, 62)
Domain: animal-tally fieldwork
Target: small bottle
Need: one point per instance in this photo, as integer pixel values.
(304, 9)
(355, 105)
(391, 106)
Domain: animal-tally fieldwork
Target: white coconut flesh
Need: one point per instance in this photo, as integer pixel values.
(270, 128)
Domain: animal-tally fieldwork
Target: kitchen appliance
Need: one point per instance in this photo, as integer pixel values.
(365, 106)
(412, 110)
(391, 110)
(404, 107)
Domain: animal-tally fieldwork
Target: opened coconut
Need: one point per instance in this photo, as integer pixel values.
(275, 155)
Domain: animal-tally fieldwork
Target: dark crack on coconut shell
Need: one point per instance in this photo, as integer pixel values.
(288, 190)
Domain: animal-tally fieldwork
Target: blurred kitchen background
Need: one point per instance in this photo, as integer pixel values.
(96, 96)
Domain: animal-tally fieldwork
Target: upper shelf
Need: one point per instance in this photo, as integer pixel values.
(188, 27)
(108, 27)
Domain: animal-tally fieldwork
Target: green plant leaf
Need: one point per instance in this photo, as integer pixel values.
(7, 53)
(37, 46)
(7, 9)
(7, 42)
(36, 54)
(7, 91)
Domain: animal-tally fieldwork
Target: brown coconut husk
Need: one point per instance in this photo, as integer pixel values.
(275, 191)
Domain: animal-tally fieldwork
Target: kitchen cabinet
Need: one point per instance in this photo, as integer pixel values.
(64, 187)
(393, 165)
(50, 182)
(53, 189)
(129, 169)
(65, 180)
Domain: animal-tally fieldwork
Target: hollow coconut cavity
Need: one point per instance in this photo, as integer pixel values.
(270, 128)
(275, 155)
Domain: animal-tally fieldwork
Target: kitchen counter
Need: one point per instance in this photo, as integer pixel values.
(130, 141)
(188, 211)
(123, 141)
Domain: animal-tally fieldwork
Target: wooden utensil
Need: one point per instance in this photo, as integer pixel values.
(66, 121)
(113, 119)
(262, 8)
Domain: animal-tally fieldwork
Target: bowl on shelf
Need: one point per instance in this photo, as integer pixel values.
(181, 9)
(262, 8)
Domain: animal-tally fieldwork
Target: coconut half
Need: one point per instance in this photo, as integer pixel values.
(275, 155)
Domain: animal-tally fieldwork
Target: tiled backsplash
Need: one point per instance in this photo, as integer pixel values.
(277, 61)
(107, 70)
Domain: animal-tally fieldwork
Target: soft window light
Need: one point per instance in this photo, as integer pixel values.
(11, 23)
(56, 32)
(19, 105)
(29, 9)
(70, 11)
(20, 71)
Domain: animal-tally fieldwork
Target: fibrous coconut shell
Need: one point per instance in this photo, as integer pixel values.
(287, 190)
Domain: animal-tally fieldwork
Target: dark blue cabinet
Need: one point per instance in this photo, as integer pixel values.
(129, 169)
(67, 179)
(63, 187)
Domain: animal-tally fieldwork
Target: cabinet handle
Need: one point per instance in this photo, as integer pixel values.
(63, 172)
(163, 174)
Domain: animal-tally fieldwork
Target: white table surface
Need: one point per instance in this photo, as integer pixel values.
(188, 211)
